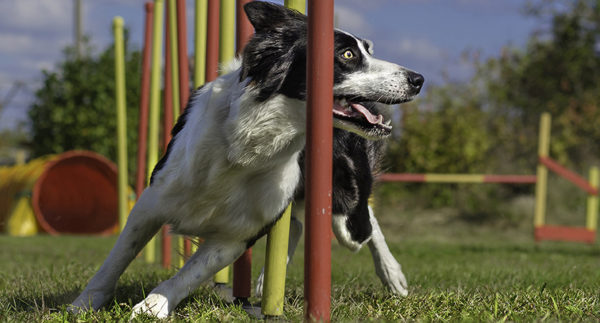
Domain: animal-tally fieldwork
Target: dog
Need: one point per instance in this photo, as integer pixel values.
(232, 164)
(356, 164)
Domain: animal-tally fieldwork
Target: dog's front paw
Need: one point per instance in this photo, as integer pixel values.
(154, 305)
(391, 275)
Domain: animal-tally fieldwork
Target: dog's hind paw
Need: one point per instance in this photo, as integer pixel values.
(259, 283)
(154, 305)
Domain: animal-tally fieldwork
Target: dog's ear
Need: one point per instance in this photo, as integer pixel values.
(265, 16)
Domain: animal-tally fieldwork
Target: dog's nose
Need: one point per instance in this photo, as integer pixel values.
(416, 80)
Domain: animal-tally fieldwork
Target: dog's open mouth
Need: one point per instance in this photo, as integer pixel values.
(362, 118)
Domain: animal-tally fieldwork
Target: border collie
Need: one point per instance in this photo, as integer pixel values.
(232, 165)
(356, 163)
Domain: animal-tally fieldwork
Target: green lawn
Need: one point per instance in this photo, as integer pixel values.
(464, 273)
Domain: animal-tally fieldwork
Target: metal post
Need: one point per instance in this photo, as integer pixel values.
(121, 120)
(542, 171)
(319, 79)
(78, 28)
(154, 113)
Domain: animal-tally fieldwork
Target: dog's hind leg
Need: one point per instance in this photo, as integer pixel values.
(386, 266)
(141, 226)
(295, 235)
(211, 256)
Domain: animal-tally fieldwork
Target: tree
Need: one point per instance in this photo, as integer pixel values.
(75, 106)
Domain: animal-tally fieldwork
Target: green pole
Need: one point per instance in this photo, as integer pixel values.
(174, 57)
(121, 120)
(592, 201)
(299, 5)
(200, 43)
(227, 28)
(277, 242)
(275, 265)
(542, 172)
(226, 53)
(154, 113)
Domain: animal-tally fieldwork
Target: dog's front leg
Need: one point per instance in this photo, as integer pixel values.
(386, 266)
(141, 226)
(210, 257)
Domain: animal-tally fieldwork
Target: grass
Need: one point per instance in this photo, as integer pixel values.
(456, 271)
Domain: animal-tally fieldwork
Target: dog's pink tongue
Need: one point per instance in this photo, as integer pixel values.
(365, 112)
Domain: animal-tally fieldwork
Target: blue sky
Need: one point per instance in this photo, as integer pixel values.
(428, 36)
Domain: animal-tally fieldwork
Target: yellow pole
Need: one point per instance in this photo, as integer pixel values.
(275, 265)
(299, 5)
(277, 242)
(542, 172)
(154, 113)
(592, 202)
(226, 53)
(174, 57)
(121, 120)
(200, 43)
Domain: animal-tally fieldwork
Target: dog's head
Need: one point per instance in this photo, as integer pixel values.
(275, 62)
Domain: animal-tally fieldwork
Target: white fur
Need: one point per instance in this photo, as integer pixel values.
(387, 268)
(217, 184)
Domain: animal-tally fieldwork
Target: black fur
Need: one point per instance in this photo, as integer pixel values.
(275, 57)
(176, 129)
(356, 163)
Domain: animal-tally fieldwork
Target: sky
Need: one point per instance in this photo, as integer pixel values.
(427, 36)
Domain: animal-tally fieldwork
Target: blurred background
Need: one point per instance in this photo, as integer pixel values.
(491, 68)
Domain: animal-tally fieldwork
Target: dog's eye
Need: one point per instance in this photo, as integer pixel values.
(348, 54)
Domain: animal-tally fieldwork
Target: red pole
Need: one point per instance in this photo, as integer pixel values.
(140, 182)
(242, 268)
(319, 79)
(184, 81)
(184, 67)
(212, 40)
(167, 125)
(244, 28)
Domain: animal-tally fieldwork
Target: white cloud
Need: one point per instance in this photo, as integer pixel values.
(417, 47)
(39, 15)
(352, 21)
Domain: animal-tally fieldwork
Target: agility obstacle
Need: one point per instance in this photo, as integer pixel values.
(214, 44)
(541, 230)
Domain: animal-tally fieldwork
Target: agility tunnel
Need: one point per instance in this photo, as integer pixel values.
(71, 193)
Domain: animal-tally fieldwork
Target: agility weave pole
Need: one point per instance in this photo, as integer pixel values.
(319, 79)
(121, 120)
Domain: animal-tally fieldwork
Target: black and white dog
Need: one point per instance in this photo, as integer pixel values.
(232, 165)
(356, 163)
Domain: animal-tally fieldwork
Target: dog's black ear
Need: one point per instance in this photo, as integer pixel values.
(265, 16)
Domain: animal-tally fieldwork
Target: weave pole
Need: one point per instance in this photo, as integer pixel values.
(242, 267)
(212, 71)
(200, 24)
(319, 86)
(140, 182)
(168, 102)
(121, 120)
(542, 172)
(154, 113)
